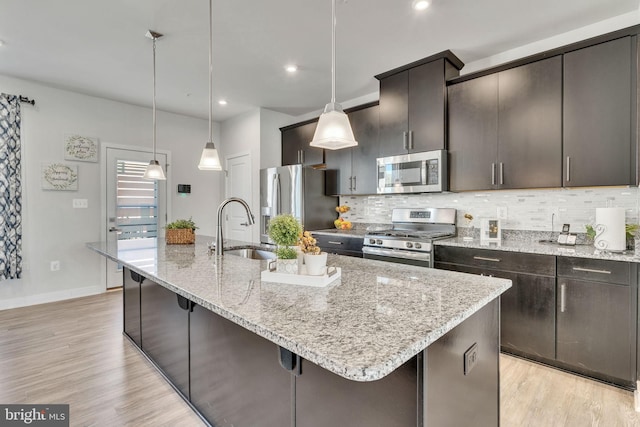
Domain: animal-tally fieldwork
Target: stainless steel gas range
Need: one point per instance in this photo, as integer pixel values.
(410, 240)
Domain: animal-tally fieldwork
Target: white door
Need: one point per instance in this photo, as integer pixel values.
(238, 184)
(135, 208)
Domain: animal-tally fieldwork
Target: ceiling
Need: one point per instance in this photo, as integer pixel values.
(99, 48)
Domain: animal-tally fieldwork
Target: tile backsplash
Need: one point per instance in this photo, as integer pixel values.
(526, 209)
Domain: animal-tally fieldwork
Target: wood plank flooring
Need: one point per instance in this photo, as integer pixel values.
(74, 352)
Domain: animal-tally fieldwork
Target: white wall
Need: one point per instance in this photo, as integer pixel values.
(52, 229)
(271, 138)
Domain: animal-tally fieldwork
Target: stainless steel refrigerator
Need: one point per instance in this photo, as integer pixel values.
(295, 190)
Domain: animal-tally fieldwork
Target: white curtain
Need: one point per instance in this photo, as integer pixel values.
(10, 189)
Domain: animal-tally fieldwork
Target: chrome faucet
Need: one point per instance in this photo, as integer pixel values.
(250, 221)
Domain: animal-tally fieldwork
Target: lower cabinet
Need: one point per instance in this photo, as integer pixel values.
(236, 379)
(527, 309)
(165, 332)
(131, 305)
(596, 318)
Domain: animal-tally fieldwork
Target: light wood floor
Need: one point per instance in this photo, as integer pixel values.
(74, 352)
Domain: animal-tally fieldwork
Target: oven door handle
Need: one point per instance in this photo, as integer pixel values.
(396, 253)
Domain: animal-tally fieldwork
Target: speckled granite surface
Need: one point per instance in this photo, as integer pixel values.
(528, 242)
(361, 327)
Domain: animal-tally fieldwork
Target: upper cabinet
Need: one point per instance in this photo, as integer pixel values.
(599, 98)
(413, 105)
(295, 145)
(505, 129)
(356, 167)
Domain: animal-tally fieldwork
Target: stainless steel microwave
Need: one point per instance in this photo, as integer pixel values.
(424, 172)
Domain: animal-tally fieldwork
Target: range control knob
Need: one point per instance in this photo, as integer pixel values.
(372, 241)
(417, 246)
(379, 241)
(409, 244)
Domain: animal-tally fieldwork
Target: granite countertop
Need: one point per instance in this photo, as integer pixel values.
(376, 317)
(526, 243)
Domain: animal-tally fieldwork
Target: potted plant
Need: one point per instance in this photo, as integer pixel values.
(180, 232)
(314, 259)
(285, 230)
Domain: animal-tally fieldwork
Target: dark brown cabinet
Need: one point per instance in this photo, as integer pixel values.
(131, 305)
(236, 379)
(527, 309)
(295, 145)
(356, 167)
(596, 318)
(165, 332)
(340, 245)
(413, 107)
(599, 98)
(505, 129)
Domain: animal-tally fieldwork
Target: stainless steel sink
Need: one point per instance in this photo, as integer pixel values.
(251, 253)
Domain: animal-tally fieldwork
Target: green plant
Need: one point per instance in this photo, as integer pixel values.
(286, 252)
(285, 230)
(181, 224)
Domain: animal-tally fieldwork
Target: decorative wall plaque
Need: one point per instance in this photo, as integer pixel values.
(59, 176)
(80, 148)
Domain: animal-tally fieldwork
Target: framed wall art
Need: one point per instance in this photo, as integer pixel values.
(490, 230)
(80, 148)
(59, 177)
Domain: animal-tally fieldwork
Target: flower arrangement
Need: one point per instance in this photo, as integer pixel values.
(285, 230)
(307, 244)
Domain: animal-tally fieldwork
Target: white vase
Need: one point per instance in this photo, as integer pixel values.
(316, 264)
(289, 266)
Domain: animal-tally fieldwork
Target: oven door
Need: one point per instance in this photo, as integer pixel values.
(413, 173)
(422, 259)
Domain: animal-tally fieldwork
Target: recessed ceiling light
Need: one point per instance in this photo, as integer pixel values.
(222, 102)
(420, 4)
(292, 68)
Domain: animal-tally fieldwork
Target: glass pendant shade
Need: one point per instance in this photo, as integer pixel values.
(210, 160)
(154, 171)
(334, 130)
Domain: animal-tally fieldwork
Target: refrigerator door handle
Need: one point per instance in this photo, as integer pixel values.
(276, 194)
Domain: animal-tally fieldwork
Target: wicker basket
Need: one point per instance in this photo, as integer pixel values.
(180, 236)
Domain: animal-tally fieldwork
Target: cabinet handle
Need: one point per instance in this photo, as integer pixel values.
(350, 183)
(481, 258)
(334, 243)
(302, 156)
(410, 140)
(568, 168)
(405, 141)
(501, 173)
(298, 156)
(354, 183)
(493, 174)
(591, 270)
(563, 297)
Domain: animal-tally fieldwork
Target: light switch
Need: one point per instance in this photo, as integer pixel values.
(502, 212)
(80, 203)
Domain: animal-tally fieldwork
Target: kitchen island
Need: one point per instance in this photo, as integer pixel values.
(385, 345)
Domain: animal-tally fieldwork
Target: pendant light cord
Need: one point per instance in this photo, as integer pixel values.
(210, 70)
(154, 98)
(333, 51)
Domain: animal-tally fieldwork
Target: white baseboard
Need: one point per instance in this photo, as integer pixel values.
(50, 297)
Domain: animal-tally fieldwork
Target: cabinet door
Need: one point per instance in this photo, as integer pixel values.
(295, 146)
(363, 159)
(131, 305)
(473, 133)
(527, 311)
(530, 125)
(340, 162)
(594, 327)
(236, 379)
(394, 110)
(326, 399)
(427, 92)
(597, 115)
(165, 332)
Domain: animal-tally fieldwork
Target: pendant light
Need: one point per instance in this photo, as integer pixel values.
(334, 130)
(209, 160)
(154, 170)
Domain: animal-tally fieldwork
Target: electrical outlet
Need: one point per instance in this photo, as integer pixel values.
(80, 203)
(55, 265)
(502, 212)
(470, 358)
